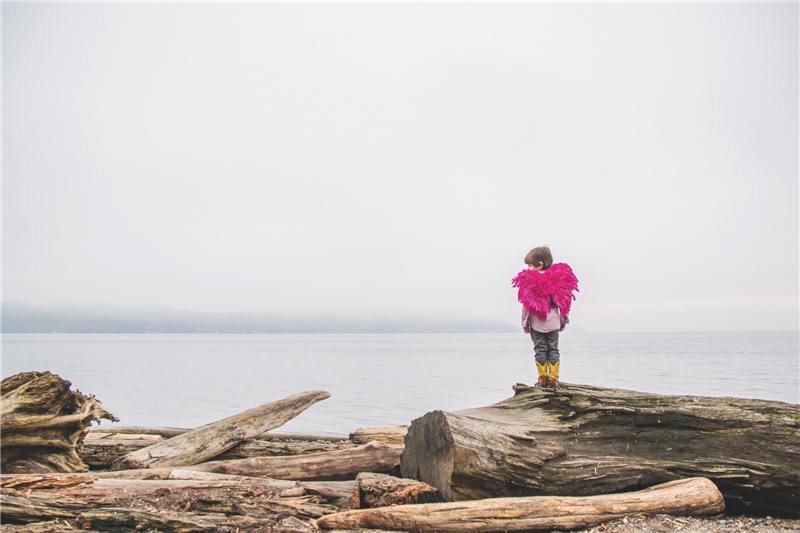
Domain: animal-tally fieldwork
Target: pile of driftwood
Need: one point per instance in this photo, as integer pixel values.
(544, 459)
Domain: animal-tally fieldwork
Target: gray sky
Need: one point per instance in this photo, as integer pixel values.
(401, 158)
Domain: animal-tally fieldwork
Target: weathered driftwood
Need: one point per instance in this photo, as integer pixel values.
(340, 494)
(580, 440)
(189, 500)
(387, 434)
(135, 433)
(43, 423)
(381, 490)
(102, 449)
(208, 441)
(281, 445)
(121, 519)
(52, 526)
(696, 496)
(376, 457)
(136, 519)
(49, 498)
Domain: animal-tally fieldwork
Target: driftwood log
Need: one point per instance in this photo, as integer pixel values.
(208, 441)
(44, 422)
(387, 434)
(190, 501)
(341, 494)
(101, 449)
(167, 505)
(375, 457)
(697, 496)
(580, 440)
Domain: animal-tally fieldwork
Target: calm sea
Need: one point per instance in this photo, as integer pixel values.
(185, 381)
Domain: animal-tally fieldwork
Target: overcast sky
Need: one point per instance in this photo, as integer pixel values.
(402, 158)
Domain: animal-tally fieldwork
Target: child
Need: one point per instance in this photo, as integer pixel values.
(546, 294)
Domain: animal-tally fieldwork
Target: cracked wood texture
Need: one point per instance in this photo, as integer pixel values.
(44, 423)
(167, 505)
(580, 440)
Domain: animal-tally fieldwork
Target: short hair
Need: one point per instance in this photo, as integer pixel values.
(540, 254)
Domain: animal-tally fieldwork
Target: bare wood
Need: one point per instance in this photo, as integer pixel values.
(115, 432)
(102, 453)
(387, 434)
(35, 502)
(210, 440)
(106, 436)
(381, 490)
(40, 481)
(51, 526)
(686, 497)
(44, 423)
(261, 447)
(580, 440)
(122, 519)
(336, 493)
(337, 465)
(135, 519)
(20, 509)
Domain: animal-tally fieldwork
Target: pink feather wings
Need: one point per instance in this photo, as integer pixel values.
(538, 289)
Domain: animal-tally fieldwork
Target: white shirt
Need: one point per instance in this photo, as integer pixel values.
(551, 322)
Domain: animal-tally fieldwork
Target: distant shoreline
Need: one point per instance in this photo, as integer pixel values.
(19, 318)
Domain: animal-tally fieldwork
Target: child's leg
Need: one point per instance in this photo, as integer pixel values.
(540, 352)
(553, 358)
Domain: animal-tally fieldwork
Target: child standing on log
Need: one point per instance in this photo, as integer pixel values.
(546, 294)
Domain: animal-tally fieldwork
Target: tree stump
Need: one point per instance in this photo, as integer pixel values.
(580, 440)
(44, 423)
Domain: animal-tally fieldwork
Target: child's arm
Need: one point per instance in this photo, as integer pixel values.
(526, 316)
(564, 322)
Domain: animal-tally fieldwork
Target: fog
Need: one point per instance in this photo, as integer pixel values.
(400, 159)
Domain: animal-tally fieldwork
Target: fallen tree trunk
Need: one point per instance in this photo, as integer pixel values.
(102, 449)
(685, 497)
(340, 494)
(208, 441)
(375, 457)
(44, 423)
(27, 499)
(188, 500)
(281, 445)
(580, 440)
(73, 515)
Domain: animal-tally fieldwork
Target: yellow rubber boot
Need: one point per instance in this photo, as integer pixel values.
(542, 375)
(552, 370)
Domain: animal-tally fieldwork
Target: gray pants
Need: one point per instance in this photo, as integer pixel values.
(545, 347)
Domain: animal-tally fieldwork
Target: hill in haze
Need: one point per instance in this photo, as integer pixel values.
(21, 318)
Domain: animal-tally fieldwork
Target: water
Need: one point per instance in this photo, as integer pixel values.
(185, 381)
